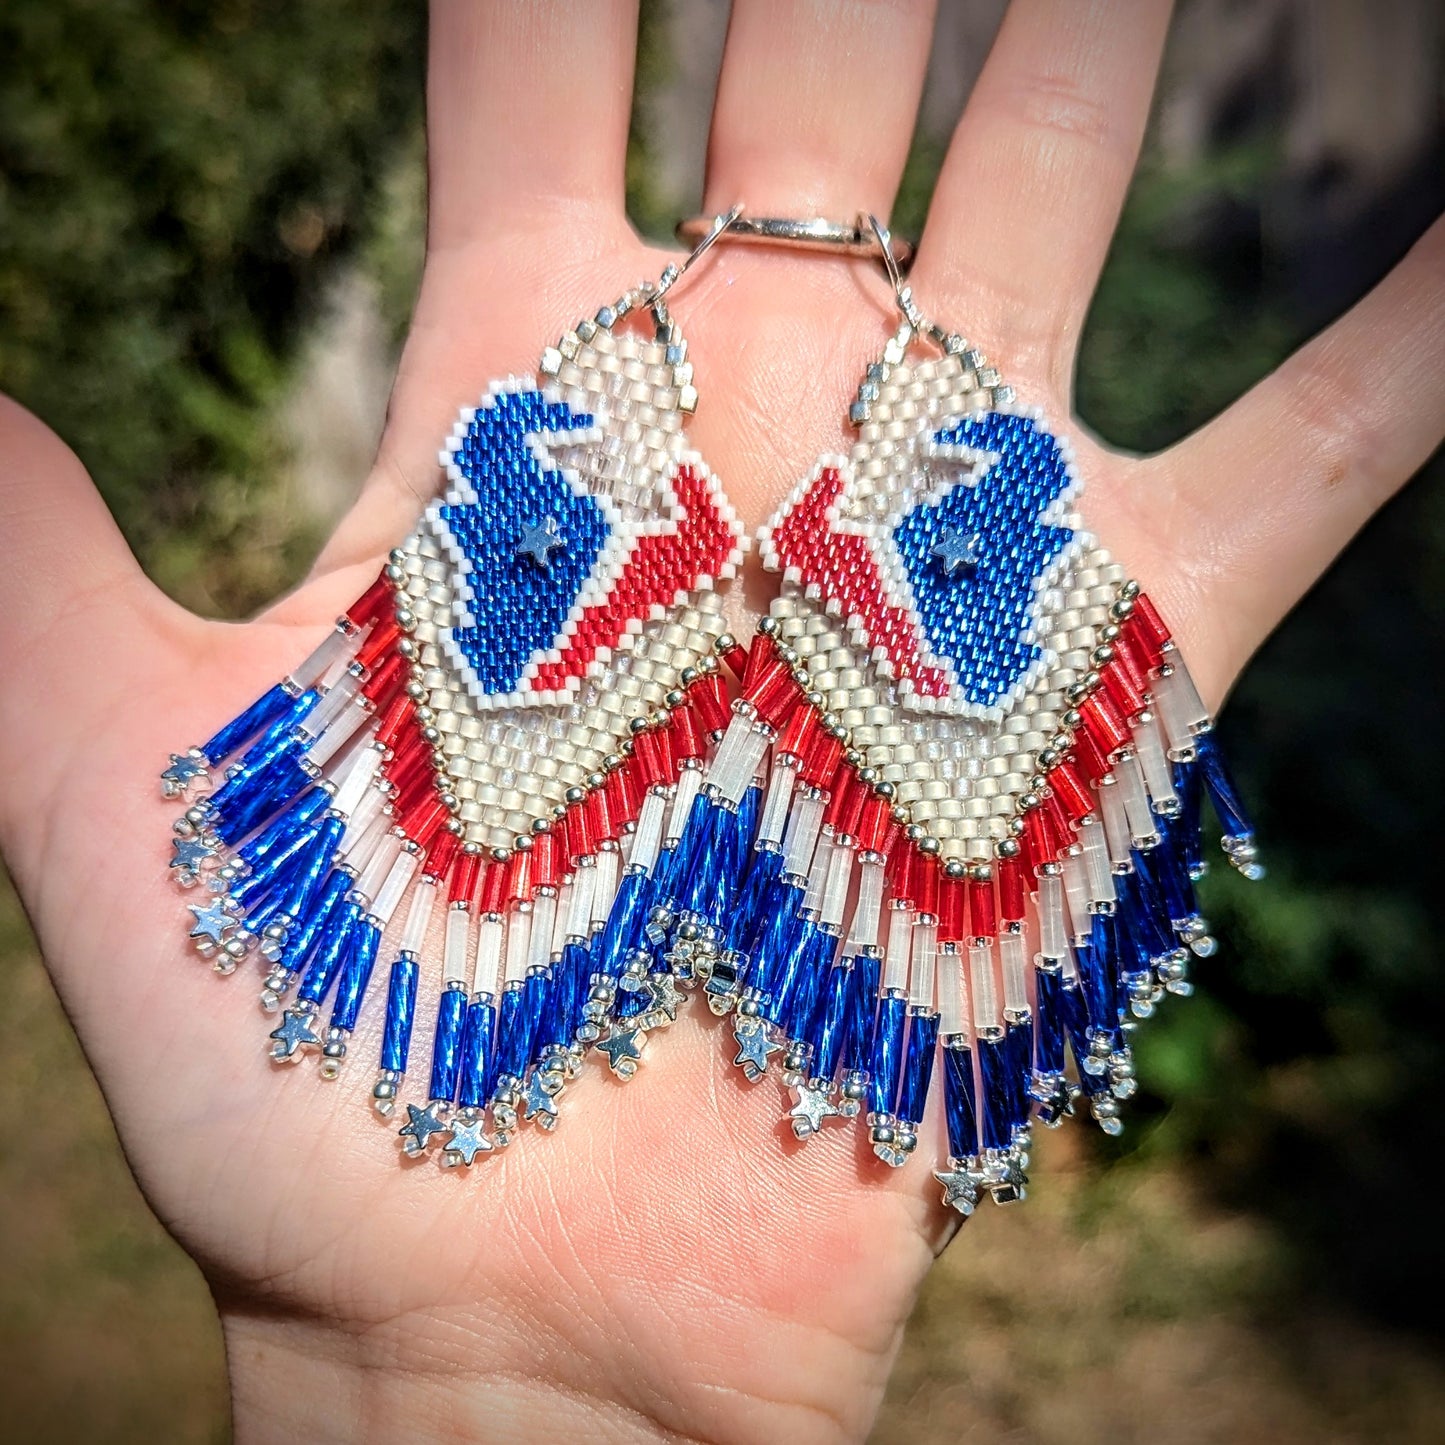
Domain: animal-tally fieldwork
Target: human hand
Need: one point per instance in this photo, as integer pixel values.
(659, 1266)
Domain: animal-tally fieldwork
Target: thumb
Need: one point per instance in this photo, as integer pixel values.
(74, 603)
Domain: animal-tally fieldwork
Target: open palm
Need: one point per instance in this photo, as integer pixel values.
(666, 1263)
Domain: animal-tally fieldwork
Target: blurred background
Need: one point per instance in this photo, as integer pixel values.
(211, 220)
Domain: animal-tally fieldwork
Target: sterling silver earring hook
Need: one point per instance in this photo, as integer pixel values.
(675, 272)
(902, 292)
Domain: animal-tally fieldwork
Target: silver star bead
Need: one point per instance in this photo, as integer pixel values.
(539, 543)
(190, 853)
(624, 1050)
(956, 550)
(754, 1046)
(468, 1139)
(812, 1107)
(665, 999)
(960, 1189)
(182, 771)
(420, 1125)
(294, 1034)
(539, 1098)
(212, 921)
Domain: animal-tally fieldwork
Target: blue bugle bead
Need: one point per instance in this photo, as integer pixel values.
(304, 811)
(356, 975)
(400, 1014)
(476, 1052)
(886, 1058)
(300, 943)
(268, 709)
(830, 1027)
(1049, 1021)
(862, 1007)
(330, 953)
(960, 1098)
(917, 1065)
(275, 870)
(446, 1043)
(511, 1033)
(994, 1101)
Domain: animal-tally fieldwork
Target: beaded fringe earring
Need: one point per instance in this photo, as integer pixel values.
(965, 774)
(508, 725)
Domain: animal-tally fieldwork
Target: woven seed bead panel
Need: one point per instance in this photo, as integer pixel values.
(536, 653)
(940, 586)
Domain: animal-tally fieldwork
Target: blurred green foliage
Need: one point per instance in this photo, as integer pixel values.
(1300, 1075)
(178, 183)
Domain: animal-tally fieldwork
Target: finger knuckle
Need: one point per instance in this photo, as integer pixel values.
(1060, 112)
(1331, 408)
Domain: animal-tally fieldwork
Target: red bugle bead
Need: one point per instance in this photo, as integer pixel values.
(1030, 847)
(387, 681)
(709, 695)
(982, 909)
(1150, 620)
(599, 820)
(441, 855)
(1011, 891)
(950, 908)
(424, 821)
(545, 872)
(1091, 763)
(846, 795)
(492, 892)
(1060, 824)
(903, 867)
(688, 738)
(736, 658)
(1071, 790)
(1131, 657)
(519, 876)
(378, 600)
(406, 767)
(463, 885)
(824, 754)
(925, 883)
(873, 825)
(418, 794)
(776, 696)
(1109, 731)
(647, 757)
(581, 841)
(1051, 830)
(667, 751)
(763, 651)
(1127, 698)
(798, 732)
(623, 804)
(395, 720)
(379, 643)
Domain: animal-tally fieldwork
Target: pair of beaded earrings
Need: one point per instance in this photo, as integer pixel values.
(946, 805)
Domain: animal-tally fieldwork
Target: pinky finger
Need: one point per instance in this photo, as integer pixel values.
(1273, 489)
